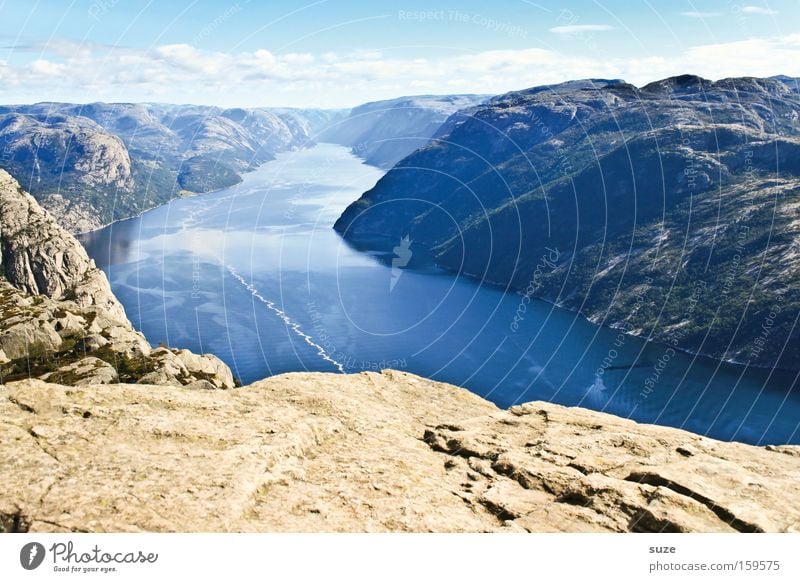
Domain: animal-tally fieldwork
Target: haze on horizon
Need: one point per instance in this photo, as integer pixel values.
(331, 53)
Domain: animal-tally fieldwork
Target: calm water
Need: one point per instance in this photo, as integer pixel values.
(256, 275)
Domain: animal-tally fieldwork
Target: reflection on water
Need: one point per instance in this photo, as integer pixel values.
(256, 275)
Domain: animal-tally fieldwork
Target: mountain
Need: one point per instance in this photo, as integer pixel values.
(668, 211)
(384, 132)
(314, 122)
(72, 163)
(161, 445)
(92, 164)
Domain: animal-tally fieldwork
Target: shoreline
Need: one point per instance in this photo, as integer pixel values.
(78, 235)
(510, 290)
(647, 340)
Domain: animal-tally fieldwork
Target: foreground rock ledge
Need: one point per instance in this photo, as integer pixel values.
(368, 452)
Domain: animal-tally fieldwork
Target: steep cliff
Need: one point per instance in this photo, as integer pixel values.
(40, 258)
(59, 318)
(668, 211)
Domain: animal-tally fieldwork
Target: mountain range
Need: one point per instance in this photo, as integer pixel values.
(666, 210)
(92, 164)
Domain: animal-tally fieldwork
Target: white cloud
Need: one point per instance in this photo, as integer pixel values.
(191, 59)
(45, 68)
(758, 10)
(580, 28)
(700, 15)
(746, 57)
(183, 73)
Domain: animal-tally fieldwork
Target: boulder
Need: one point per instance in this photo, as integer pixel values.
(24, 339)
(68, 324)
(208, 367)
(84, 372)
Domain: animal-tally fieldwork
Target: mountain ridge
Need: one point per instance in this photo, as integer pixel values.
(617, 178)
(383, 132)
(91, 164)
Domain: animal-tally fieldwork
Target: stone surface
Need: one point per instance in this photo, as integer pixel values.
(84, 372)
(367, 452)
(17, 340)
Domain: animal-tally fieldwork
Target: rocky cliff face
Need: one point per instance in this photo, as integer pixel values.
(384, 132)
(59, 319)
(95, 163)
(62, 158)
(368, 452)
(667, 211)
(40, 258)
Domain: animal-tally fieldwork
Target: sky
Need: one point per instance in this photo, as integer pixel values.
(335, 53)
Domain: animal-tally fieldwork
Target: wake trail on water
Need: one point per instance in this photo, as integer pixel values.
(290, 323)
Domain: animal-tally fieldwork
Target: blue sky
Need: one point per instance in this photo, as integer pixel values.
(331, 53)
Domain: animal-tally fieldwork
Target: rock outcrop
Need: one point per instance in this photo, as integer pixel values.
(367, 452)
(41, 258)
(59, 319)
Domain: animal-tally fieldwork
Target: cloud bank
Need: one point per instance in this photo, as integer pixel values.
(69, 71)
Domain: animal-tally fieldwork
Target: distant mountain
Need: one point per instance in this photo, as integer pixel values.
(669, 211)
(792, 82)
(95, 163)
(314, 122)
(384, 132)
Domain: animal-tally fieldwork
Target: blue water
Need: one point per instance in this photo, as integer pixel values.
(256, 275)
